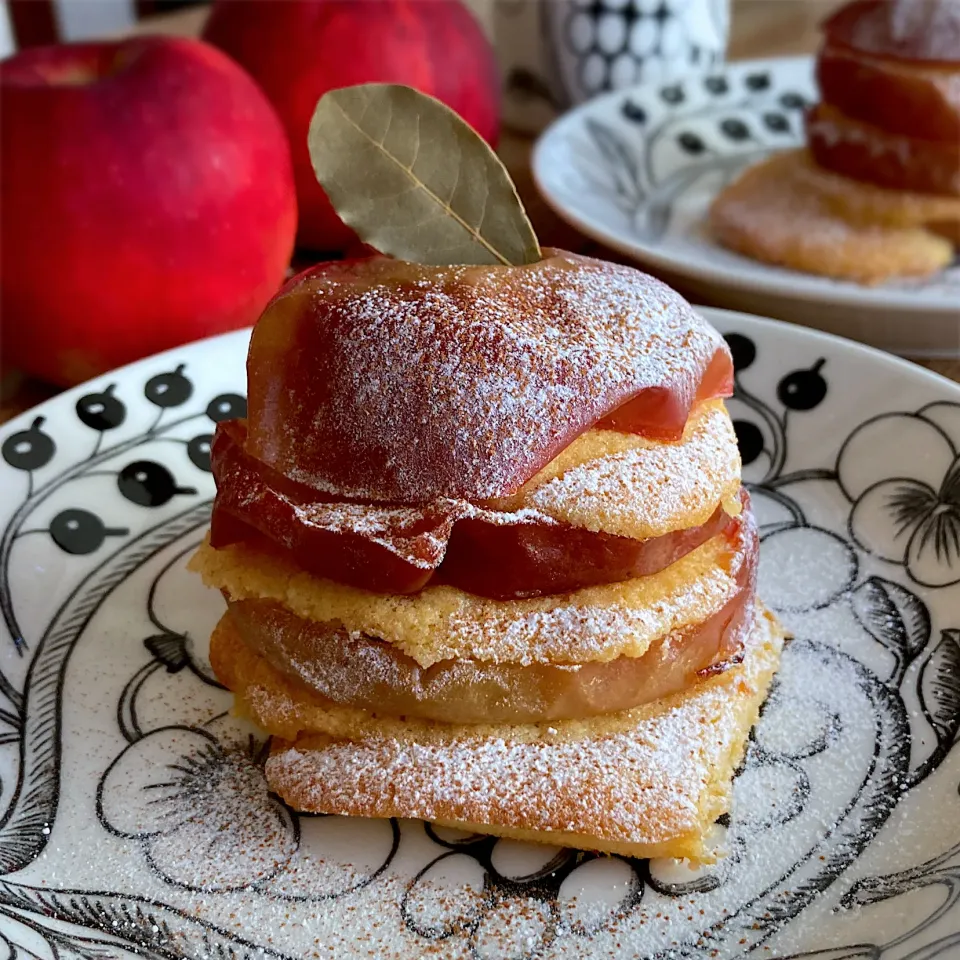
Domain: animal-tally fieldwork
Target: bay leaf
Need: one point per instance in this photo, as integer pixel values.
(414, 180)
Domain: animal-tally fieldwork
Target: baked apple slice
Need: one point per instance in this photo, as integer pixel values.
(368, 674)
(400, 549)
(864, 152)
(382, 381)
(913, 100)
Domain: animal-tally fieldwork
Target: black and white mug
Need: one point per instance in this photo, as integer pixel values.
(557, 53)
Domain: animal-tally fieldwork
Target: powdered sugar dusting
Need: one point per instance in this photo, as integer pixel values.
(907, 29)
(661, 781)
(319, 666)
(652, 489)
(577, 632)
(407, 385)
(418, 537)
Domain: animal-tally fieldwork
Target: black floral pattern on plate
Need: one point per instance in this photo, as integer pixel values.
(191, 799)
(745, 118)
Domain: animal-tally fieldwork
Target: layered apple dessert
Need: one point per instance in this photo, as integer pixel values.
(875, 194)
(486, 554)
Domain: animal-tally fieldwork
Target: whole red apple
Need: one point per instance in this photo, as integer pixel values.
(146, 199)
(297, 50)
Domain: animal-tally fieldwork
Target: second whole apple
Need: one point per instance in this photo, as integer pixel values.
(299, 49)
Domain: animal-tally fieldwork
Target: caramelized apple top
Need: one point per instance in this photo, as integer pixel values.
(920, 30)
(384, 381)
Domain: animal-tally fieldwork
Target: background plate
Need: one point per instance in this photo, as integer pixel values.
(136, 820)
(637, 169)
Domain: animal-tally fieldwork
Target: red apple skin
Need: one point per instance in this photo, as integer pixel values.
(297, 50)
(146, 200)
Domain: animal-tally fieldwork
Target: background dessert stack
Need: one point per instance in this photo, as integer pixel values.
(876, 194)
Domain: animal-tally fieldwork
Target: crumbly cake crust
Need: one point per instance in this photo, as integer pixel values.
(651, 787)
(286, 708)
(444, 623)
(633, 487)
(770, 214)
(865, 203)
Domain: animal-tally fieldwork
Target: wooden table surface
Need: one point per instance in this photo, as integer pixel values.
(760, 28)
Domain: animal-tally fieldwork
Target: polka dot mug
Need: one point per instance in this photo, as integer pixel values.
(556, 53)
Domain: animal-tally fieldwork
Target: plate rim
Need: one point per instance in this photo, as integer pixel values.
(878, 354)
(809, 290)
(79, 389)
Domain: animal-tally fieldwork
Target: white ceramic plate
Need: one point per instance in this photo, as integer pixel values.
(845, 835)
(638, 168)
